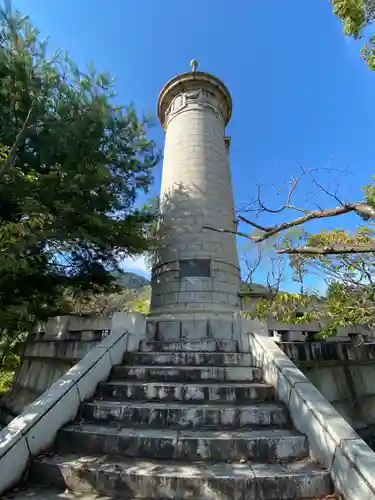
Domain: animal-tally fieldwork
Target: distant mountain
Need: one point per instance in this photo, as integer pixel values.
(135, 281)
(131, 280)
(255, 289)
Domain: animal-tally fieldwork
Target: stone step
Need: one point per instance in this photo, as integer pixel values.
(188, 358)
(265, 445)
(208, 345)
(187, 373)
(161, 480)
(183, 415)
(40, 493)
(188, 392)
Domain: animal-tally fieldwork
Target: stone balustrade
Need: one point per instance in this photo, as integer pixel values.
(333, 441)
(35, 429)
(47, 354)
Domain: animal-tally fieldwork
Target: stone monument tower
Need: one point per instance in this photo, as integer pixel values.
(196, 274)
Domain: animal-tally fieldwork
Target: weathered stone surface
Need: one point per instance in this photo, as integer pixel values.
(344, 374)
(182, 391)
(44, 494)
(141, 479)
(264, 445)
(191, 412)
(188, 359)
(169, 331)
(47, 356)
(14, 456)
(349, 478)
(43, 362)
(311, 413)
(191, 419)
(65, 349)
(205, 345)
(59, 404)
(187, 373)
(340, 351)
(333, 442)
(183, 415)
(353, 469)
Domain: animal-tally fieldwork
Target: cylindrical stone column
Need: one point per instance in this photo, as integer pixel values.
(196, 269)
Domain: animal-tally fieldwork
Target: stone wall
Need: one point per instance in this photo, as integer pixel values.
(47, 355)
(345, 375)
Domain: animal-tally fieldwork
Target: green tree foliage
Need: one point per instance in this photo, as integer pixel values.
(6, 377)
(357, 17)
(71, 164)
(98, 304)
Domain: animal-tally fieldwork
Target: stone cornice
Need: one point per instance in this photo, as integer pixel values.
(190, 81)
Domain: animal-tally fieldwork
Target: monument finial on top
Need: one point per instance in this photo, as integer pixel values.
(194, 65)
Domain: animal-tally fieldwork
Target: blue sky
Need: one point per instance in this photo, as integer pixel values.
(301, 94)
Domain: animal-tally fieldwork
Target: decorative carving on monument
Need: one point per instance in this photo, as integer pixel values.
(194, 94)
(198, 97)
(176, 105)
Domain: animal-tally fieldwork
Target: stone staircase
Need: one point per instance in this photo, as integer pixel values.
(179, 421)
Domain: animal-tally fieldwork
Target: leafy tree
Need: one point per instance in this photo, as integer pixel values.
(98, 304)
(357, 17)
(71, 164)
(6, 377)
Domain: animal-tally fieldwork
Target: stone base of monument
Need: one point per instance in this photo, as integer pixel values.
(200, 418)
(183, 419)
(199, 326)
(173, 328)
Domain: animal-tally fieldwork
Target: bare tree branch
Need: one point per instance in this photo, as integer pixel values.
(363, 209)
(293, 183)
(229, 231)
(251, 223)
(257, 205)
(277, 273)
(334, 249)
(253, 266)
(319, 268)
(9, 162)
